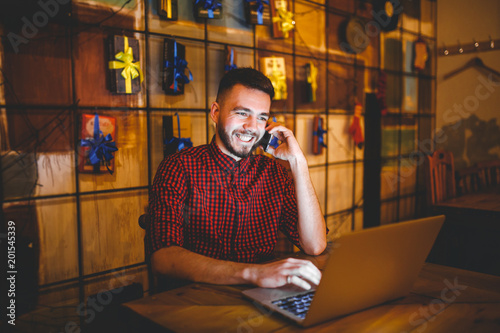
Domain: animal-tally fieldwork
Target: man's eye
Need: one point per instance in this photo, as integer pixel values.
(241, 113)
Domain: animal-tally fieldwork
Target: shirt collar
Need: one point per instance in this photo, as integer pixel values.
(227, 163)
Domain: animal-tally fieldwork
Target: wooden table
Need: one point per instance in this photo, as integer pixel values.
(470, 237)
(480, 202)
(443, 299)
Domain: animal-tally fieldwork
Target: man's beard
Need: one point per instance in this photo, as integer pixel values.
(226, 141)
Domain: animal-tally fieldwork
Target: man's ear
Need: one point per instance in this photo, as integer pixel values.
(215, 112)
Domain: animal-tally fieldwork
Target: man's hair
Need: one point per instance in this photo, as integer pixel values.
(247, 77)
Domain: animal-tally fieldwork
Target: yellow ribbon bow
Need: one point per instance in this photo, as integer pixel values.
(131, 69)
(278, 81)
(311, 79)
(285, 21)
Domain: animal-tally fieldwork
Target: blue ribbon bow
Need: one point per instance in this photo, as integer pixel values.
(181, 143)
(231, 65)
(319, 133)
(101, 147)
(210, 6)
(274, 141)
(260, 9)
(180, 66)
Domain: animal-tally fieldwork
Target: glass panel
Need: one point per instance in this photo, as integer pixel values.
(345, 86)
(39, 71)
(344, 5)
(391, 50)
(185, 26)
(406, 208)
(388, 212)
(410, 14)
(302, 86)
(426, 95)
(110, 13)
(50, 226)
(390, 137)
(243, 57)
(337, 45)
(194, 91)
(232, 27)
(309, 30)
(358, 219)
(280, 106)
(393, 92)
(338, 225)
(318, 178)
(111, 235)
(193, 125)
(304, 134)
(40, 160)
(130, 159)
(91, 69)
(340, 142)
(389, 179)
(408, 135)
(427, 17)
(407, 176)
(340, 183)
(358, 195)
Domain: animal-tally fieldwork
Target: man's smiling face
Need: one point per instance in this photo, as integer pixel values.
(241, 119)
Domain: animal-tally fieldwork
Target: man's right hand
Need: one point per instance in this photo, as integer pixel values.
(299, 272)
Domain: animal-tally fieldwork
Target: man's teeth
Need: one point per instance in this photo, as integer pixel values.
(244, 137)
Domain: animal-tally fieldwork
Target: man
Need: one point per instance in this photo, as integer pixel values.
(216, 209)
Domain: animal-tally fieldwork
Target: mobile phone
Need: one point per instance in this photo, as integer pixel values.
(268, 140)
(265, 141)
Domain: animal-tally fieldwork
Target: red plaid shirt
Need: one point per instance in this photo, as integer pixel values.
(208, 203)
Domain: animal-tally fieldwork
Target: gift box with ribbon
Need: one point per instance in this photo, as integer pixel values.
(97, 145)
(318, 135)
(211, 9)
(258, 12)
(168, 9)
(283, 22)
(175, 67)
(312, 83)
(176, 134)
(124, 66)
(229, 58)
(274, 69)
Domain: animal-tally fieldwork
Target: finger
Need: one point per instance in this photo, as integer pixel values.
(309, 275)
(308, 270)
(295, 280)
(312, 274)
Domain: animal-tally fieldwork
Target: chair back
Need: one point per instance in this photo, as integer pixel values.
(491, 172)
(440, 177)
(470, 180)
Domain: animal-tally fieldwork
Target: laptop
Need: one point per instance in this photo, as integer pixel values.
(365, 268)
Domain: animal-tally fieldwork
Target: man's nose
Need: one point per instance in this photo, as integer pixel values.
(250, 124)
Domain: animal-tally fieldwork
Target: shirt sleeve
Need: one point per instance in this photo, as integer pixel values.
(166, 205)
(289, 214)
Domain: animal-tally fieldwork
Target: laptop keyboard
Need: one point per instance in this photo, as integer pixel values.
(298, 304)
